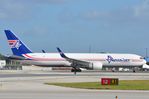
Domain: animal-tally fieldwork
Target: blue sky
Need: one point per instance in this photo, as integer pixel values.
(118, 26)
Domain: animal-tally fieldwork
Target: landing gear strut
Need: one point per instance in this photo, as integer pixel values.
(75, 70)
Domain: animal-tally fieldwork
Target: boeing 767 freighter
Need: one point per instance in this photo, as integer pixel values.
(91, 61)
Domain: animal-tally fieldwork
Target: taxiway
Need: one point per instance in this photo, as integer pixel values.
(30, 85)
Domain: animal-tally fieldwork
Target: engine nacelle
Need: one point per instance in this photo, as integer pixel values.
(145, 66)
(95, 66)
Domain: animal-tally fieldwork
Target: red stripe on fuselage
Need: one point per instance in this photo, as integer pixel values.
(27, 56)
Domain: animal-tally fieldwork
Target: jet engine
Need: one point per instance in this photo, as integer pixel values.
(95, 66)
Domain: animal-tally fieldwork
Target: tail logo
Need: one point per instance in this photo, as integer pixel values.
(14, 44)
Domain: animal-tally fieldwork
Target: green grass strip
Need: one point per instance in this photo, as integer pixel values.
(123, 85)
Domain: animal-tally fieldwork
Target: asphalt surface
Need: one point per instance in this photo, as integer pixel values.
(30, 85)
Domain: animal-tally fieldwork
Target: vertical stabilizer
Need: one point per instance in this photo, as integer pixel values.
(16, 45)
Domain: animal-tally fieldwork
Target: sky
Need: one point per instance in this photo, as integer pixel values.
(116, 26)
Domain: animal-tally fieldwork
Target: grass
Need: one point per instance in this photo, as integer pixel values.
(123, 85)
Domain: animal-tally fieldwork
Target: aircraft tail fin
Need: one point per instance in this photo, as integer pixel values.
(16, 45)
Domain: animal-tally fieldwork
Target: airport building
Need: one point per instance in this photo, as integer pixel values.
(13, 65)
(8, 64)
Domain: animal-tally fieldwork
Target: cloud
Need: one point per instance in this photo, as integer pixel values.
(13, 9)
(48, 1)
(20, 9)
(129, 15)
(142, 9)
(94, 15)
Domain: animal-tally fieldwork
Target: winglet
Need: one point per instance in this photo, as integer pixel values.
(43, 51)
(61, 53)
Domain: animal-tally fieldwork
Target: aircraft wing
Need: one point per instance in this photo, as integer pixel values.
(15, 57)
(74, 62)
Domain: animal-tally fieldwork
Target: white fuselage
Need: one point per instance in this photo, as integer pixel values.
(54, 59)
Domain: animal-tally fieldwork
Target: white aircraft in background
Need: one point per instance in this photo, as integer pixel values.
(91, 61)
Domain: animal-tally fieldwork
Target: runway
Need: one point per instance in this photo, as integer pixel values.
(54, 76)
(30, 85)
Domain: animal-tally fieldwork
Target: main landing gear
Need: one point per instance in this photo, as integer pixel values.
(75, 70)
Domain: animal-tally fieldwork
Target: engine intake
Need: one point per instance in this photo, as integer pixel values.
(95, 66)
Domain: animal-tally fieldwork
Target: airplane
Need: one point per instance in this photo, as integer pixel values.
(90, 61)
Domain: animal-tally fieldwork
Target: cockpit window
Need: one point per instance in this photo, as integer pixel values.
(141, 57)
